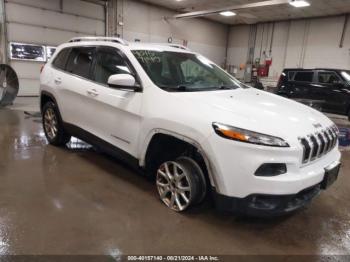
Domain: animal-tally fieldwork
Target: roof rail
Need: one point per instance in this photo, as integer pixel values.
(172, 45)
(99, 38)
(179, 46)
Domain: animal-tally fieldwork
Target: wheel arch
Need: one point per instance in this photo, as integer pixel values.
(159, 135)
(46, 97)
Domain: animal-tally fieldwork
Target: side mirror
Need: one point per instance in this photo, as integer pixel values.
(123, 81)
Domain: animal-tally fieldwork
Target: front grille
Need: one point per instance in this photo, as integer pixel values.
(318, 144)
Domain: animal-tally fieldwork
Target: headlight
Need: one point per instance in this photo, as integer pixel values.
(247, 136)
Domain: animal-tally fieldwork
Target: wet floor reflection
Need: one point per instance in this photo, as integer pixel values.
(76, 144)
(74, 200)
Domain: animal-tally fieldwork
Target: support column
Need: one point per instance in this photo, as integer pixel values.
(112, 18)
(3, 34)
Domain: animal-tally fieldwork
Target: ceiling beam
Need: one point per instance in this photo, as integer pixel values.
(233, 7)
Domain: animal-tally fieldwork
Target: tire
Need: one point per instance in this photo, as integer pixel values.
(52, 125)
(181, 183)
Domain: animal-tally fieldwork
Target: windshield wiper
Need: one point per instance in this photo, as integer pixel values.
(182, 88)
(223, 87)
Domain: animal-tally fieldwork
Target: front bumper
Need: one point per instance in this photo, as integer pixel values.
(258, 205)
(233, 165)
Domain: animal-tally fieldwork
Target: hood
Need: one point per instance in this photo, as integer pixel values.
(259, 111)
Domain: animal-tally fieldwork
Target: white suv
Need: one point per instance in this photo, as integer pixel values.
(188, 123)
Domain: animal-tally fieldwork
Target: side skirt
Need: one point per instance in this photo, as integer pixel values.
(106, 147)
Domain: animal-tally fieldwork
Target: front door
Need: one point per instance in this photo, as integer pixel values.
(115, 113)
(330, 89)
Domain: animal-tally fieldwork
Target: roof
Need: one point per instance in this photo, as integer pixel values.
(130, 45)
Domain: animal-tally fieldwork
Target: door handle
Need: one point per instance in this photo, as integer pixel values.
(92, 92)
(58, 81)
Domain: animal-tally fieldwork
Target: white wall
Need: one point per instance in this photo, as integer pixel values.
(45, 23)
(302, 43)
(147, 23)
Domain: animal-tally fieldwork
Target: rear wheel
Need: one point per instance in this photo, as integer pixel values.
(180, 183)
(53, 127)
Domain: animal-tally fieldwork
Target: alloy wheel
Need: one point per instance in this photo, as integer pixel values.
(174, 186)
(50, 123)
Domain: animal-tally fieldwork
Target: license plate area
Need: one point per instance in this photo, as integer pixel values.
(330, 176)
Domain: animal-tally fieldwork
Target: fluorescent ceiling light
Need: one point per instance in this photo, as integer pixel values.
(299, 3)
(227, 13)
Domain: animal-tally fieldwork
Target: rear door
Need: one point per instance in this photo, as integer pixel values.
(300, 84)
(330, 88)
(73, 86)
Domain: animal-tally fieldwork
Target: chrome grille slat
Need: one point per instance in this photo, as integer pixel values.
(323, 144)
(315, 147)
(328, 141)
(318, 144)
(334, 136)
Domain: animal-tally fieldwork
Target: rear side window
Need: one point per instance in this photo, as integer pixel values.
(304, 76)
(61, 59)
(80, 61)
(291, 75)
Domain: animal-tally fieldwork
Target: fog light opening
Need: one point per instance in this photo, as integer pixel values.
(272, 169)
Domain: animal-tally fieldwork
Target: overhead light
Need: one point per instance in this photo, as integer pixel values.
(227, 13)
(299, 3)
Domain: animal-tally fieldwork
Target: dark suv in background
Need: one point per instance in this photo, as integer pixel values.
(325, 89)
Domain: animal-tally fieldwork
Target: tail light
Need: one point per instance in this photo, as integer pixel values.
(280, 80)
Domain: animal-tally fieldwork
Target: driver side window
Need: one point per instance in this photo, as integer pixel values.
(109, 62)
(328, 78)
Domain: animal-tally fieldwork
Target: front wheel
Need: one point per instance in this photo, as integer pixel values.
(180, 183)
(53, 128)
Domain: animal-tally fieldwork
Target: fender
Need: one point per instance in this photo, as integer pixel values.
(210, 167)
(49, 95)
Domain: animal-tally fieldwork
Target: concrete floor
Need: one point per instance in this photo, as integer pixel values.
(76, 201)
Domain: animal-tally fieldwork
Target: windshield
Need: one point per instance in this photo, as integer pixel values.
(184, 72)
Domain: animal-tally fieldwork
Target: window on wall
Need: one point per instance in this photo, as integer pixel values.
(31, 52)
(20, 51)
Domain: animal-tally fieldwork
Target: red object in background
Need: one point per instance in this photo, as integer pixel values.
(263, 71)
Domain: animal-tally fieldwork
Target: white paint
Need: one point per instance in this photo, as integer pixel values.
(128, 120)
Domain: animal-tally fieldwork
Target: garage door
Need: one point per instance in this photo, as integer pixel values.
(35, 27)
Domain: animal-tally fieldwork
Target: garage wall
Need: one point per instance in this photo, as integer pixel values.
(146, 23)
(302, 43)
(48, 23)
